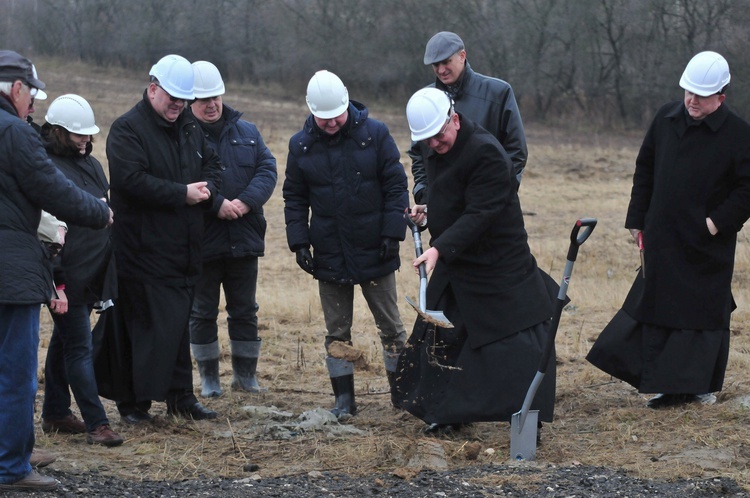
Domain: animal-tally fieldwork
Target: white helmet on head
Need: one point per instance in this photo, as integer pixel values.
(40, 94)
(706, 74)
(73, 113)
(175, 75)
(427, 112)
(327, 97)
(208, 82)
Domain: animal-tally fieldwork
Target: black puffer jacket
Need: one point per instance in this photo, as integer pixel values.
(355, 187)
(29, 182)
(249, 174)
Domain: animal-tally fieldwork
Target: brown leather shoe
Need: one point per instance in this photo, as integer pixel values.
(68, 425)
(33, 481)
(104, 435)
(41, 458)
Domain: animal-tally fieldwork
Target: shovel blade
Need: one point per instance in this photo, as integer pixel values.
(434, 317)
(523, 438)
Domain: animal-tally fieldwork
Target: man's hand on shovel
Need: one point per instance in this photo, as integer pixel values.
(429, 258)
(418, 214)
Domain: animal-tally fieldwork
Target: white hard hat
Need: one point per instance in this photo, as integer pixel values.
(208, 82)
(73, 113)
(427, 111)
(706, 74)
(327, 96)
(175, 75)
(40, 94)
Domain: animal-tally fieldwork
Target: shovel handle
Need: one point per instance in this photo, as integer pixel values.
(577, 238)
(416, 234)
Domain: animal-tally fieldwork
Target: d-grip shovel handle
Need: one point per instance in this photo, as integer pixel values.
(577, 238)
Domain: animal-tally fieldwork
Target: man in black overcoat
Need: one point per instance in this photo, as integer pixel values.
(690, 197)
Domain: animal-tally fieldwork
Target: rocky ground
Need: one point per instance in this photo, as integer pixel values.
(522, 480)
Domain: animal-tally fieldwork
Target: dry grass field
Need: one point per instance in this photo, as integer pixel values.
(571, 173)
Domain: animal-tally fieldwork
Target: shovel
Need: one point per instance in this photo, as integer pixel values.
(524, 424)
(434, 317)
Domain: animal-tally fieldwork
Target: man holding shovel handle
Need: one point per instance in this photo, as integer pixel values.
(483, 278)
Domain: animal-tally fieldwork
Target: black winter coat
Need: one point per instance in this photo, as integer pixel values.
(248, 174)
(477, 227)
(158, 237)
(355, 187)
(684, 174)
(29, 182)
(85, 259)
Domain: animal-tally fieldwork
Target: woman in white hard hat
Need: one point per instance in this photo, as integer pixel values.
(83, 275)
(690, 197)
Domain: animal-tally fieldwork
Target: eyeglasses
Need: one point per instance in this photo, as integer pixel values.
(172, 99)
(441, 133)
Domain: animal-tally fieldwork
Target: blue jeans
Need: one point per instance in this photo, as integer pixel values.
(69, 363)
(239, 276)
(19, 342)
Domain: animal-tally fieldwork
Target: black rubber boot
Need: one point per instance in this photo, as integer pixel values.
(342, 381)
(244, 365)
(343, 389)
(207, 358)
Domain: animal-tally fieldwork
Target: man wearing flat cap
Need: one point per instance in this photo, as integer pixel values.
(29, 182)
(487, 101)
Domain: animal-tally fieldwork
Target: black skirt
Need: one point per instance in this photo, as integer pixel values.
(657, 359)
(441, 379)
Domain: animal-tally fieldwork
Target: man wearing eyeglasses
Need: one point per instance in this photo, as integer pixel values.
(487, 101)
(29, 182)
(163, 177)
(483, 277)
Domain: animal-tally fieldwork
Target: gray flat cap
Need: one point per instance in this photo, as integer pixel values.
(441, 46)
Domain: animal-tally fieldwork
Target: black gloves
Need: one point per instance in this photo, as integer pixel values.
(305, 259)
(388, 249)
